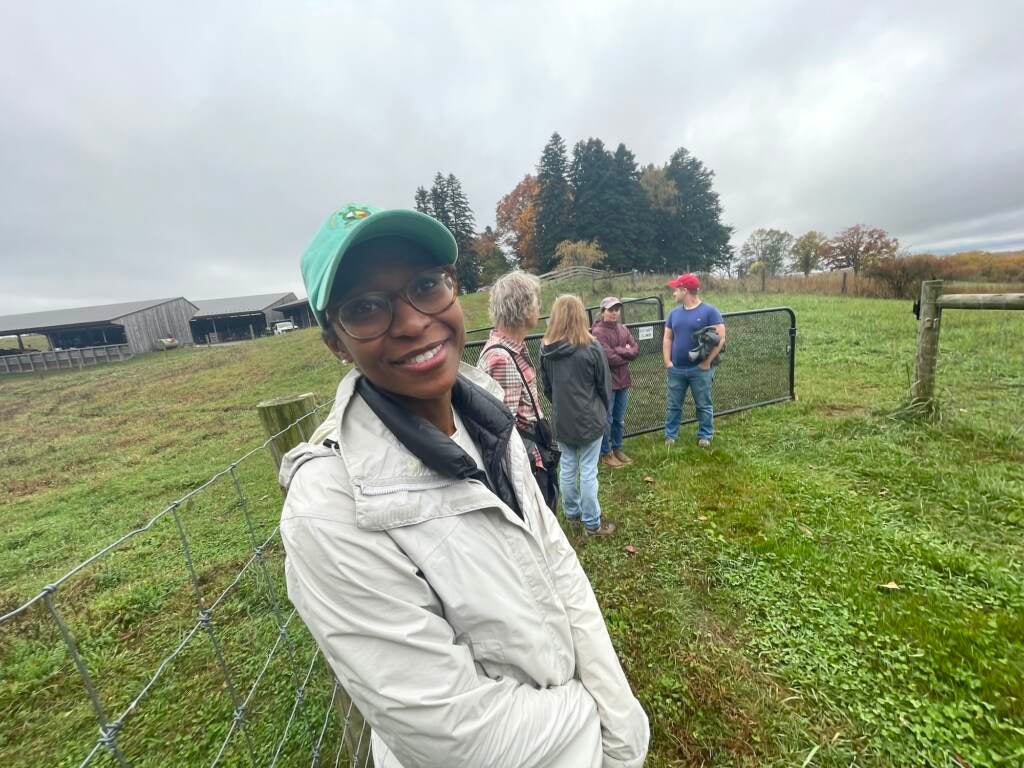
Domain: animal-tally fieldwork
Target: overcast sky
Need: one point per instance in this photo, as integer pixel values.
(162, 149)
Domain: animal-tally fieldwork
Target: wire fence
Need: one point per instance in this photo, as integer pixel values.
(634, 310)
(756, 369)
(182, 637)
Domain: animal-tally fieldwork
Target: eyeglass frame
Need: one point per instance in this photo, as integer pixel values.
(335, 322)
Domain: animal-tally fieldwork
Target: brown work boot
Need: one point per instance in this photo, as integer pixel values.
(606, 528)
(610, 460)
(622, 457)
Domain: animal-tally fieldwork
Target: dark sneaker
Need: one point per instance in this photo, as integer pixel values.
(622, 457)
(606, 528)
(611, 460)
(704, 443)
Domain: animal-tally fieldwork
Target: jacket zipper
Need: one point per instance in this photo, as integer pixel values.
(384, 490)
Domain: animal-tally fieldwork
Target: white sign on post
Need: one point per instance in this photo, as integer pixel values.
(646, 332)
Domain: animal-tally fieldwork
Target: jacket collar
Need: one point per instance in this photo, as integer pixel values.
(487, 421)
(383, 471)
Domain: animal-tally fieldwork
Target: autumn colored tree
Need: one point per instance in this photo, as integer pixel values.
(490, 256)
(808, 253)
(857, 247)
(768, 247)
(579, 253)
(516, 218)
(554, 201)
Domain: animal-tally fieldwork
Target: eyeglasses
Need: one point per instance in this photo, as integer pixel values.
(370, 315)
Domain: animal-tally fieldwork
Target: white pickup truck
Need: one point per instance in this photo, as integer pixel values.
(283, 326)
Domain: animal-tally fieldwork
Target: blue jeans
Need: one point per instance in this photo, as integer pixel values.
(699, 382)
(577, 474)
(616, 414)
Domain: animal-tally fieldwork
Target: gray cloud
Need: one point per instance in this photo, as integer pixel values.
(192, 149)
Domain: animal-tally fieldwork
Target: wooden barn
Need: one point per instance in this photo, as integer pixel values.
(298, 312)
(124, 329)
(237, 318)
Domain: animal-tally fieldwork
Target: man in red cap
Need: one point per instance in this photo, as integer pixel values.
(689, 358)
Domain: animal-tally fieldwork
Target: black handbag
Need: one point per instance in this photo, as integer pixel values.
(541, 437)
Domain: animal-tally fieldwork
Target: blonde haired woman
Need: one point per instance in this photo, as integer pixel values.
(577, 381)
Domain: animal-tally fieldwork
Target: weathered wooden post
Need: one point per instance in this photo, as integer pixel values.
(922, 391)
(280, 415)
(284, 415)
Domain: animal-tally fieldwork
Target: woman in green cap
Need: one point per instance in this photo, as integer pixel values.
(420, 553)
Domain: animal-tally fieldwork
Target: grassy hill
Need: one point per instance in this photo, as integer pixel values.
(750, 612)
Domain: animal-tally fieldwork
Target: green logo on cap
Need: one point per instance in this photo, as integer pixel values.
(349, 215)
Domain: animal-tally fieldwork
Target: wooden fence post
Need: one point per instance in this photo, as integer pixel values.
(281, 415)
(922, 391)
(277, 414)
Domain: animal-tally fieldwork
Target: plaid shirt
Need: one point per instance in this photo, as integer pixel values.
(497, 364)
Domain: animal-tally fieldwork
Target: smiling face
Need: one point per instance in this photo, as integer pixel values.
(417, 358)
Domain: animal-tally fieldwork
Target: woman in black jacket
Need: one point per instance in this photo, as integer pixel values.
(576, 380)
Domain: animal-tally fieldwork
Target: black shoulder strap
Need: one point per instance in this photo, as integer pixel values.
(529, 394)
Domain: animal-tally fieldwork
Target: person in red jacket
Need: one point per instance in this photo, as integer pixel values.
(619, 347)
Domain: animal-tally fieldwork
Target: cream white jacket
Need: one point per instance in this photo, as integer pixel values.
(465, 635)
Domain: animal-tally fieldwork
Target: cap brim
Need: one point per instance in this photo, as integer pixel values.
(410, 225)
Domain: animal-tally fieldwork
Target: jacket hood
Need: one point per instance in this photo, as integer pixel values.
(561, 348)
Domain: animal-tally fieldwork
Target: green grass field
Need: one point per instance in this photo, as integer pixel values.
(749, 609)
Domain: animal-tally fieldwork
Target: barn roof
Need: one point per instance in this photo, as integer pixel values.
(240, 305)
(293, 304)
(60, 318)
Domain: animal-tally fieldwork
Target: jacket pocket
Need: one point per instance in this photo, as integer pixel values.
(489, 657)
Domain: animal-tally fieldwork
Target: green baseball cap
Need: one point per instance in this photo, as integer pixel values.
(355, 223)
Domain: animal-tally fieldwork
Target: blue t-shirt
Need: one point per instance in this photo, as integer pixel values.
(686, 322)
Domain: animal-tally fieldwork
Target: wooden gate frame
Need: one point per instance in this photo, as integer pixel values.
(933, 301)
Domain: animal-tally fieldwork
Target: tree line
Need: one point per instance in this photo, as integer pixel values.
(774, 251)
(595, 207)
(598, 207)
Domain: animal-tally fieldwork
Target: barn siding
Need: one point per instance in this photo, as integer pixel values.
(168, 319)
(273, 315)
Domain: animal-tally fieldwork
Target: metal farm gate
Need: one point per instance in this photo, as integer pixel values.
(757, 365)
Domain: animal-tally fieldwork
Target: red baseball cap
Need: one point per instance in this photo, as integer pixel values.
(689, 281)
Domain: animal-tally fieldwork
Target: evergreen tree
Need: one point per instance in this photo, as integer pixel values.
(447, 203)
(423, 201)
(439, 199)
(590, 177)
(463, 225)
(695, 237)
(662, 208)
(554, 201)
(628, 225)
